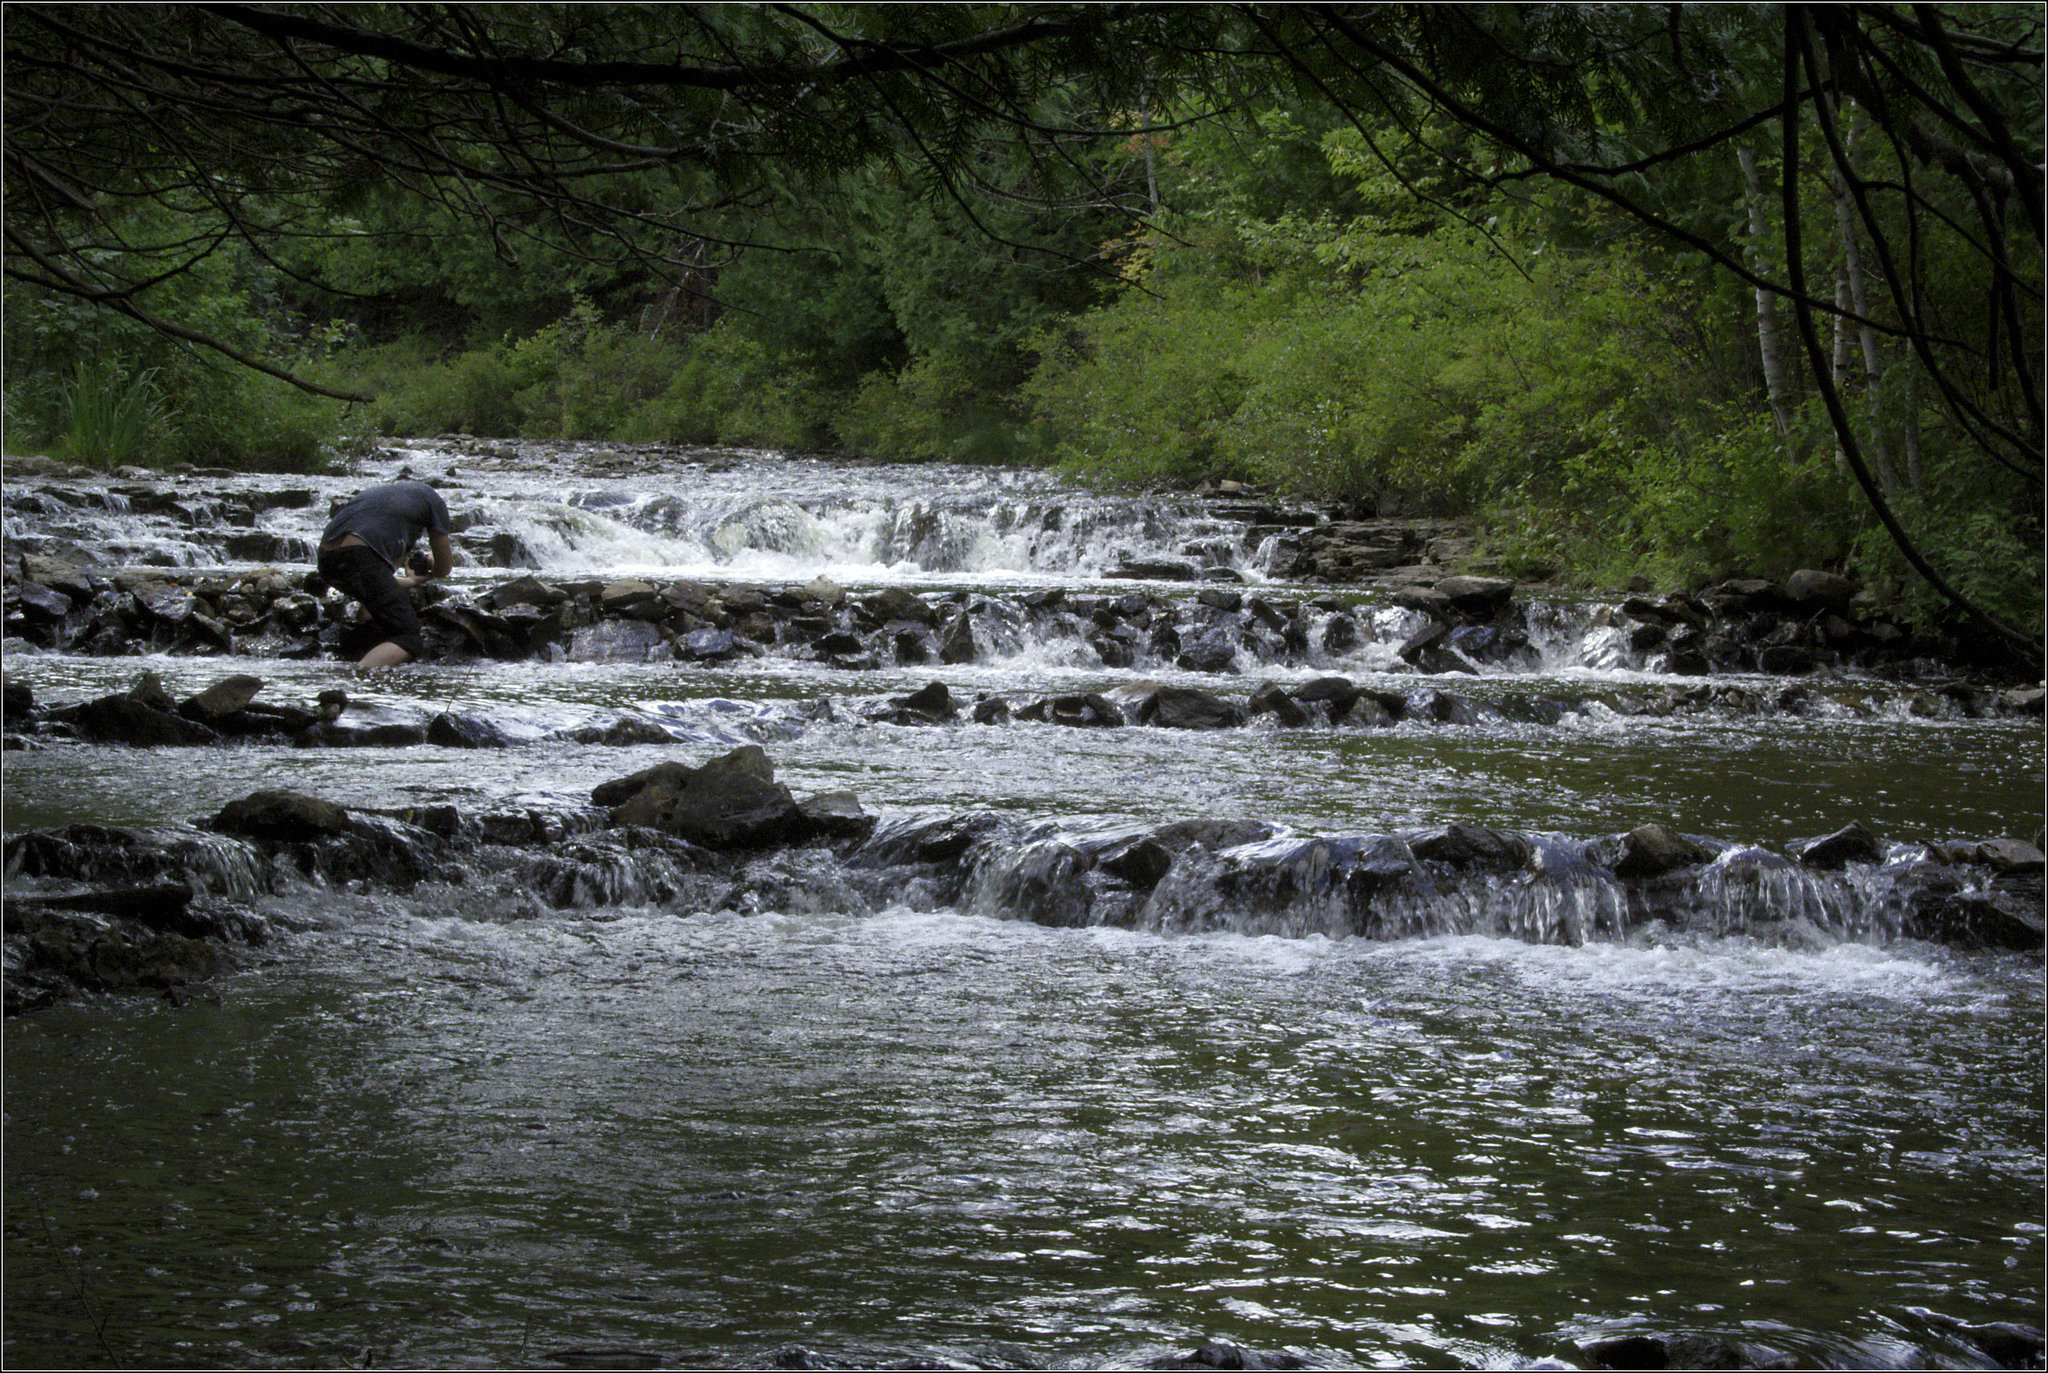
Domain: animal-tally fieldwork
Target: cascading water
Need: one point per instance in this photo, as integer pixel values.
(1484, 1002)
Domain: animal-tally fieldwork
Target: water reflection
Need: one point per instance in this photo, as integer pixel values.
(457, 1144)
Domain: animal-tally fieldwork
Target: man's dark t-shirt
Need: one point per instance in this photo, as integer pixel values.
(390, 517)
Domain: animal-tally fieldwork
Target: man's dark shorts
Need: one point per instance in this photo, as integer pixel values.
(361, 573)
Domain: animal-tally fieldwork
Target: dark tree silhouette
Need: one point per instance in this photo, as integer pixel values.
(140, 140)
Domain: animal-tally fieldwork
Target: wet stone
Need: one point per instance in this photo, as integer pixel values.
(1649, 851)
(708, 646)
(282, 815)
(1850, 844)
(224, 698)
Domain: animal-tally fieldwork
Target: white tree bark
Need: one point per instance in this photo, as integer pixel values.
(1770, 337)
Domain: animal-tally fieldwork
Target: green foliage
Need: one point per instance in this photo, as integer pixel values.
(107, 390)
(1986, 545)
(114, 417)
(1374, 364)
(934, 410)
(725, 389)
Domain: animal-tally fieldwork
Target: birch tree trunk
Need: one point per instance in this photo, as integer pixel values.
(1770, 338)
(1853, 294)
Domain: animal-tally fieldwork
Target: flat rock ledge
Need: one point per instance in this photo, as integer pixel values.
(226, 712)
(93, 909)
(1812, 622)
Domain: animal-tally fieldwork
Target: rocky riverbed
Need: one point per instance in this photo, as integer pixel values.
(165, 923)
(805, 909)
(93, 908)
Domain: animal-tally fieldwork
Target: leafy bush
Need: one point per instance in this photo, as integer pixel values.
(933, 411)
(724, 389)
(115, 415)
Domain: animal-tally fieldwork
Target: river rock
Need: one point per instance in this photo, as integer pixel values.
(1442, 707)
(2000, 855)
(1785, 660)
(1153, 570)
(911, 645)
(1223, 1354)
(1177, 707)
(932, 701)
(956, 643)
(126, 720)
(924, 841)
(1211, 651)
(630, 597)
(1851, 844)
(1338, 692)
(281, 815)
(226, 697)
(1432, 635)
(1140, 861)
(1648, 851)
(1083, 709)
(1813, 590)
(1369, 710)
(40, 602)
(1473, 846)
(1678, 1351)
(1271, 698)
(837, 815)
(617, 641)
(1477, 598)
(708, 646)
(527, 591)
(449, 730)
(2007, 916)
(732, 801)
(149, 691)
(52, 954)
(894, 603)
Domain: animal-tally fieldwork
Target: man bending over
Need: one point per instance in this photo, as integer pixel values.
(363, 551)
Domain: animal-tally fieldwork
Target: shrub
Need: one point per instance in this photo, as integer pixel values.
(724, 389)
(115, 415)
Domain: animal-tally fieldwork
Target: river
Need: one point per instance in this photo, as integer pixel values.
(455, 1126)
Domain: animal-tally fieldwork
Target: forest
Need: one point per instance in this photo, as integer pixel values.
(1642, 291)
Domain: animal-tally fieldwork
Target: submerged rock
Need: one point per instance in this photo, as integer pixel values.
(1682, 1351)
(1223, 1354)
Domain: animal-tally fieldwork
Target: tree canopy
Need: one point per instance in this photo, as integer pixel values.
(1885, 160)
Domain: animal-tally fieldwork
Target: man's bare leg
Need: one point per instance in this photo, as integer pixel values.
(386, 654)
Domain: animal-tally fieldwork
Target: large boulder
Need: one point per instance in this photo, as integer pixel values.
(733, 801)
(1812, 590)
(126, 720)
(282, 815)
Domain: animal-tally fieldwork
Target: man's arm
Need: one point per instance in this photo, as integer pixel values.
(444, 562)
(444, 555)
